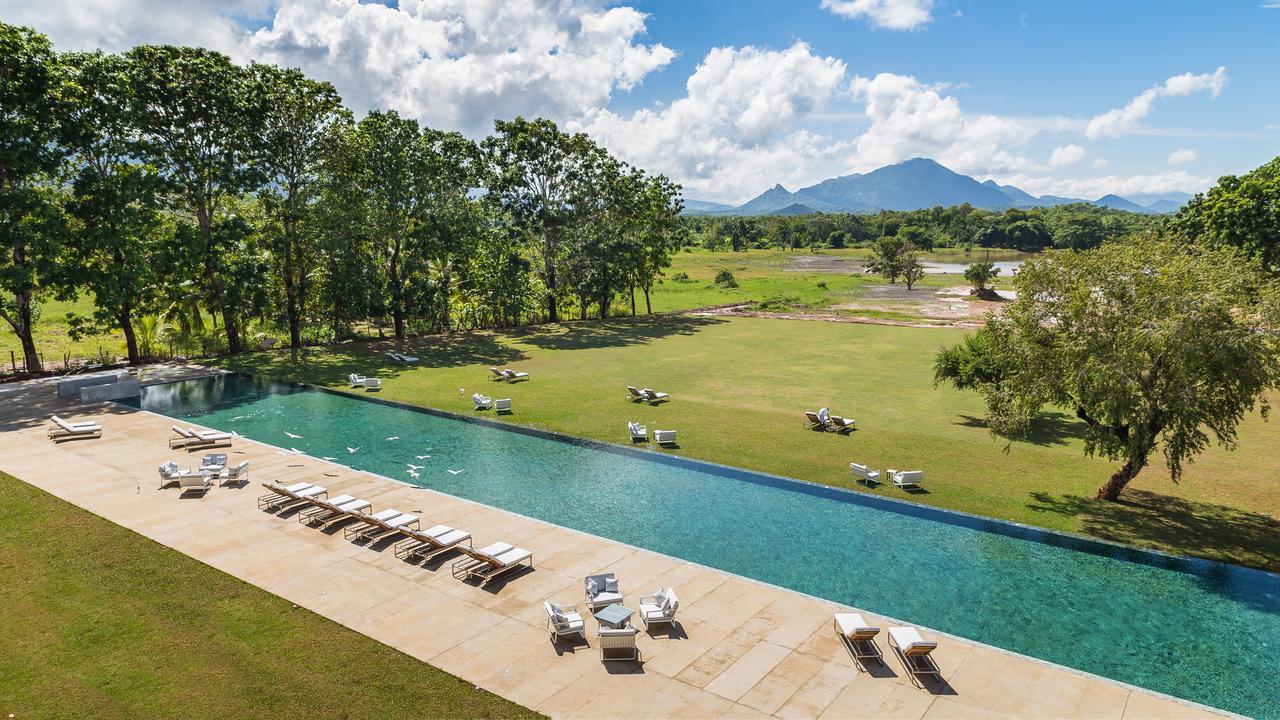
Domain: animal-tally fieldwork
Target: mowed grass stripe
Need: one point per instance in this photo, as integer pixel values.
(103, 622)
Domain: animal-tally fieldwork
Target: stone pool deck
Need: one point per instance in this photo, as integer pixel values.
(742, 648)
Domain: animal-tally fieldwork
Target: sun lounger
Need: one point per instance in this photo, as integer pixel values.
(279, 492)
(489, 562)
(664, 437)
(502, 405)
(653, 396)
(514, 375)
(906, 478)
(323, 508)
(564, 621)
(191, 482)
(864, 474)
(191, 438)
(602, 590)
(914, 651)
(283, 498)
(372, 384)
(482, 402)
(397, 357)
(62, 429)
(426, 544)
(498, 375)
(811, 420)
(356, 380)
(391, 528)
(841, 423)
(859, 638)
(369, 523)
(659, 608)
(638, 432)
(62, 422)
(302, 498)
(634, 394)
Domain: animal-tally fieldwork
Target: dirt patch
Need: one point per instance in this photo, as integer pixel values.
(949, 307)
(826, 264)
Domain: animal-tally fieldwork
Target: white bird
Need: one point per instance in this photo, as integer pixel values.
(352, 449)
(296, 451)
(462, 391)
(413, 473)
(295, 437)
(394, 437)
(414, 468)
(326, 457)
(455, 472)
(422, 457)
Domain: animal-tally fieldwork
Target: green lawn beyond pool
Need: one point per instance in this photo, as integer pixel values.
(739, 387)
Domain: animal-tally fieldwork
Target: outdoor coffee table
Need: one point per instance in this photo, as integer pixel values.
(614, 616)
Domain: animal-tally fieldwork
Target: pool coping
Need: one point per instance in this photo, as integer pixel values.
(651, 455)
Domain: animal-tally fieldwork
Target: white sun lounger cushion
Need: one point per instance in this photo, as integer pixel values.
(297, 487)
(435, 531)
(353, 506)
(341, 499)
(400, 520)
(513, 556)
(852, 624)
(494, 550)
(309, 492)
(908, 638)
(385, 515)
(453, 537)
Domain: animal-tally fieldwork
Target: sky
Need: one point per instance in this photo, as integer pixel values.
(729, 97)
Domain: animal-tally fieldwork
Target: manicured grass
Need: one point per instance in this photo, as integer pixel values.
(53, 337)
(739, 386)
(103, 623)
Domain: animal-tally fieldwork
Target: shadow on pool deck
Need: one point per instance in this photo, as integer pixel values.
(1150, 519)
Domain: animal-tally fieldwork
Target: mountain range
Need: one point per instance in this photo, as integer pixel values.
(912, 185)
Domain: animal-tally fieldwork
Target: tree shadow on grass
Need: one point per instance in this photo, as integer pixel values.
(616, 332)
(1173, 524)
(1047, 428)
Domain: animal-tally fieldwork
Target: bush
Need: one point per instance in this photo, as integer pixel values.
(681, 277)
(725, 279)
(778, 303)
(822, 284)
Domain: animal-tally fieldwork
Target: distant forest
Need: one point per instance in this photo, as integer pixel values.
(1077, 227)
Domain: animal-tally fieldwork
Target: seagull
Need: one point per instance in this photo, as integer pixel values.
(422, 457)
(413, 473)
(462, 391)
(455, 472)
(415, 468)
(394, 437)
(295, 437)
(296, 451)
(352, 449)
(326, 457)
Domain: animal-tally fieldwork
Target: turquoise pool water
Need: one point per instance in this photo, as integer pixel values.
(1204, 631)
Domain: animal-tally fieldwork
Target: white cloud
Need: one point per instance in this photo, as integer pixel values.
(1182, 156)
(911, 119)
(1095, 187)
(1123, 120)
(1100, 163)
(734, 133)
(116, 25)
(1066, 155)
(887, 14)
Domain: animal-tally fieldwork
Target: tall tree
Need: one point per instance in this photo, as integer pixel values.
(1147, 342)
(114, 199)
(661, 232)
(1242, 212)
(199, 126)
(31, 105)
(453, 220)
(540, 176)
(298, 117)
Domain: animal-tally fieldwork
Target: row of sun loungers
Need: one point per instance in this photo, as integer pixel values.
(507, 374)
(191, 438)
(824, 420)
(315, 508)
(859, 638)
(401, 358)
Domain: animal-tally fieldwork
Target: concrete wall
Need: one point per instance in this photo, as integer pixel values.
(113, 391)
(70, 387)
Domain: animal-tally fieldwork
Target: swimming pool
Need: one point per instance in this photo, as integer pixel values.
(1195, 629)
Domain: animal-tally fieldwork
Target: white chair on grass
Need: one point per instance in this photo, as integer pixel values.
(502, 405)
(864, 474)
(639, 433)
(482, 402)
(906, 478)
(664, 437)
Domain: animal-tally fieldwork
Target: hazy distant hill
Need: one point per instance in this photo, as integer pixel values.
(911, 185)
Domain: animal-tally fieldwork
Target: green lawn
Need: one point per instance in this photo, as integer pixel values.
(102, 622)
(53, 338)
(739, 386)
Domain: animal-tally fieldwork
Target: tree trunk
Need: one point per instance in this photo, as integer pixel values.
(125, 320)
(25, 332)
(231, 326)
(633, 300)
(648, 309)
(397, 294)
(1128, 471)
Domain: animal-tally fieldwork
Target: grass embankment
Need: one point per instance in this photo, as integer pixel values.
(102, 622)
(739, 387)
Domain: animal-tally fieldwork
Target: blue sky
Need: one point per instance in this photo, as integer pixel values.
(1071, 98)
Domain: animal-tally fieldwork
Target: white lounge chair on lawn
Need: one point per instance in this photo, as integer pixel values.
(356, 380)
(906, 478)
(482, 402)
(397, 357)
(664, 437)
(426, 544)
(487, 563)
(634, 394)
(602, 590)
(498, 374)
(660, 608)
(62, 429)
(502, 405)
(859, 638)
(638, 432)
(841, 423)
(563, 622)
(864, 474)
(811, 420)
(369, 523)
(514, 375)
(913, 651)
(372, 384)
(198, 481)
(653, 396)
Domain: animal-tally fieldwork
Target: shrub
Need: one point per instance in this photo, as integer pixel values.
(681, 277)
(778, 303)
(725, 279)
(822, 284)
